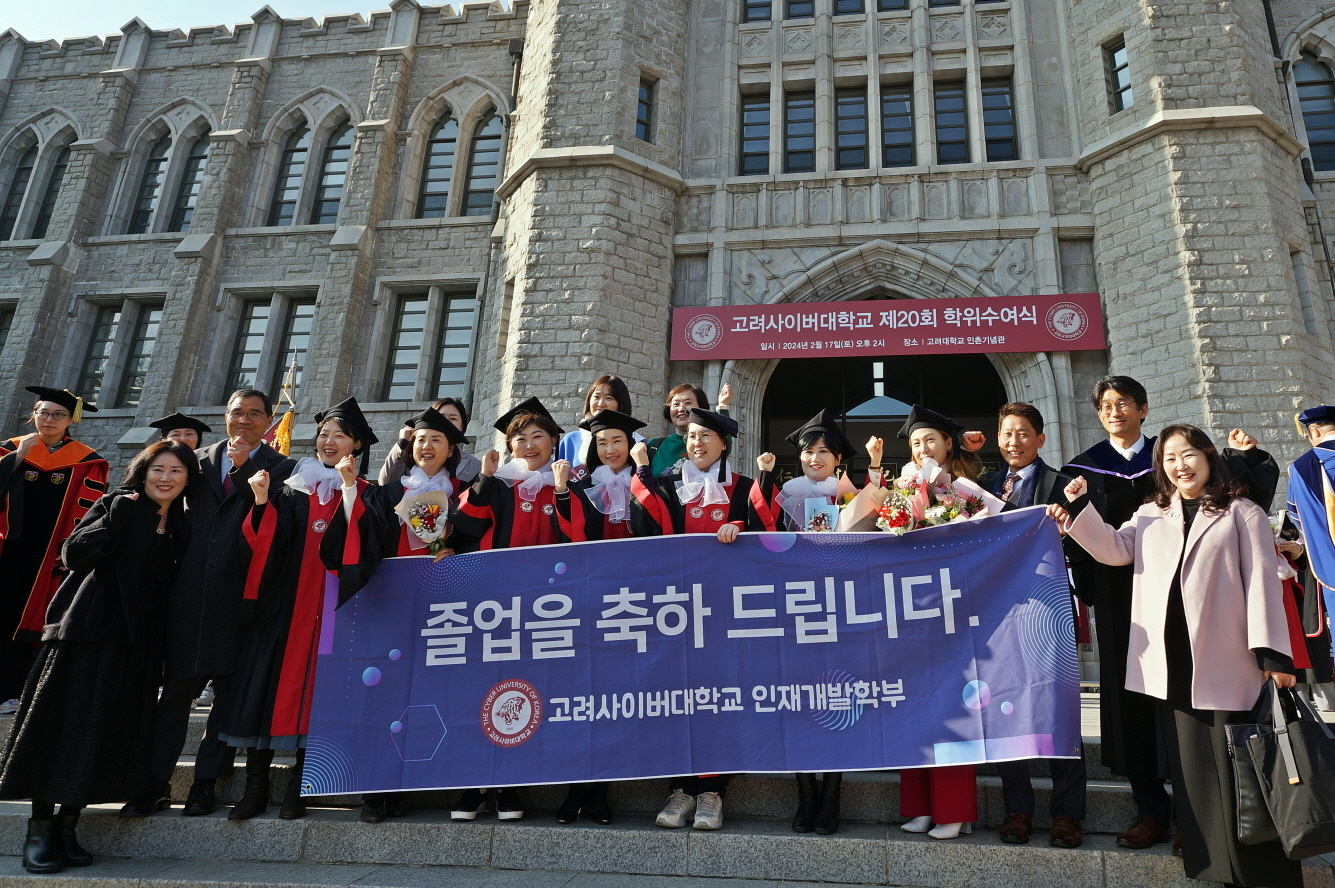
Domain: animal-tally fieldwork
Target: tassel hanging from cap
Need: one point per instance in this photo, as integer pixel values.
(1297, 424)
(77, 414)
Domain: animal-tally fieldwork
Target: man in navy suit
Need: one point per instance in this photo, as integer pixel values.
(1028, 481)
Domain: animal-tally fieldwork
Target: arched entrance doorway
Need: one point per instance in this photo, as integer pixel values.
(871, 396)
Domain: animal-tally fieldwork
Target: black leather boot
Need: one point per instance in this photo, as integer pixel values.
(202, 800)
(294, 806)
(569, 810)
(41, 851)
(596, 807)
(827, 820)
(805, 818)
(255, 799)
(71, 852)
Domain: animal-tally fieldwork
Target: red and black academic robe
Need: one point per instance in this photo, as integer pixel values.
(580, 521)
(493, 515)
(42, 497)
(656, 510)
(295, 545)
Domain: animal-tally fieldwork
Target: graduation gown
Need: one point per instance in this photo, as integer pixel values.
(295, 544)
(399, 541)
(580, 520)
(656, 509)
(492, 515)
(42, 497)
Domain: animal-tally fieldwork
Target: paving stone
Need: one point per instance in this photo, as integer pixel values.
(414, 840)
(632, 845)
(983, 861)
(767, 850)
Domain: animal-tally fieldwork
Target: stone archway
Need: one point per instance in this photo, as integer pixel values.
(882, 267)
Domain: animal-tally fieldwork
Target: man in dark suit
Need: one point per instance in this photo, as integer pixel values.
(1028, 481)
(204, 605)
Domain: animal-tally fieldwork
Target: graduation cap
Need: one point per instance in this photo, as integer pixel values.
(1320, 413)
(531, 406)
(65, 398)
(824, 423)
(351, 415)
(922, 418)
(604, 420)
(716, 422)
(436, 422)
(179, 421)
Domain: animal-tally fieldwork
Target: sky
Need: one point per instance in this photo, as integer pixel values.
(63, 19)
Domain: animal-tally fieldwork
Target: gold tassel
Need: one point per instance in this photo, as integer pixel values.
(282, 439)
(78, 408)
(1302, 432)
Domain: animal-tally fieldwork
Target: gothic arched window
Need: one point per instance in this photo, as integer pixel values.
(187, 190)
(18, 186)
(333, 176)
(150, 183)
(1316, 94)
(484, 158)
(53, 182)
(291, 167)
(438, 168)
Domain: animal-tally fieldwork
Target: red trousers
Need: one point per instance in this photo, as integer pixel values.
(949, 794)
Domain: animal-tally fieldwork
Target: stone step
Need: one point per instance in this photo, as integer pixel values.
(869, 796)
(755, 849)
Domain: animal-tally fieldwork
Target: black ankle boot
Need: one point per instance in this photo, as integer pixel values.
(827, 821)
(157, 798)
(41, 851)
(569, 810)
(255, 798)
(596, 807)
(805, 818)
(202, 800)
(71, 852)
(294, 806)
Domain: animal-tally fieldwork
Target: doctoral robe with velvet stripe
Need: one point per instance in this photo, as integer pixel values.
(656, 510)
(493, 515)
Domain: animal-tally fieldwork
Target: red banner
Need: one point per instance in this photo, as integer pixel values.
(1066, 322)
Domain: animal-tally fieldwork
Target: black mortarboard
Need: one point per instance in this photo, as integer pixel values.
(611, 419)
(433, 420)
(351, 414)
(528, 405)
(922, 418)
(717, 422)
(1320, 413)
(179, 421)
(828, 427)
(65, 398)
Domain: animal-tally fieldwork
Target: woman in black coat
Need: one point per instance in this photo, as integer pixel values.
(83, 734)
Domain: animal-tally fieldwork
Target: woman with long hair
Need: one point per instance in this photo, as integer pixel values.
(1208, 629)
(83, 734)
(606, 393)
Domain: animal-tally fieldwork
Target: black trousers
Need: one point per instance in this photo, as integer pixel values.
(173, 723)
(1068, 787)
(1142, 744)
(694, 785)
(16, 659)
(1206, 805)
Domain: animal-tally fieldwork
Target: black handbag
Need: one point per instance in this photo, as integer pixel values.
(1255, 825)
(1294, 758)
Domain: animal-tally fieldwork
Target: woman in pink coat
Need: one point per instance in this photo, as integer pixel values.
(1207, 630)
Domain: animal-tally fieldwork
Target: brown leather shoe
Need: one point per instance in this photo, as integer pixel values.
(1145, 832)
(1015, 830)
(1177, 844)
(1065, 832)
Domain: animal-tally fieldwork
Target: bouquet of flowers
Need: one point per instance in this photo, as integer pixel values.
(928, 499)
(427, 517)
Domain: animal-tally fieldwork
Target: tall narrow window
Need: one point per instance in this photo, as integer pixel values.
(6, 323)
(438, 168)
(644, 110)
(848, 7)
(484, 157)
(333, 176)
(99, 349)
(52, 192)
(405, 350)
(141, 352)
(897, 125)
(757, 10)
(999, 120)
(952, 128)
(755, 135)
(851, 129)
(295, 343)
(291, 169)
(456, 340)
(1119, 76)
(801, 9)
(149, 186)
(892, 5)
(18, 186)
(244, 370)
(799, 132)
(187, 192)
(1316, 97)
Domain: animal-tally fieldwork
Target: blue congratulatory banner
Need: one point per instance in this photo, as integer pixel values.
(681, 655)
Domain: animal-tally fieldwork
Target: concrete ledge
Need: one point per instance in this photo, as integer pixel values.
(590, 155)
(199, 246)
(60, 253)
(1224, 117)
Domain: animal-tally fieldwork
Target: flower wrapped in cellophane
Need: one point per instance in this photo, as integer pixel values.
(427, 517)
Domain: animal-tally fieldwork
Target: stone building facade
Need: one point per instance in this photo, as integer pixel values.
(493, 200)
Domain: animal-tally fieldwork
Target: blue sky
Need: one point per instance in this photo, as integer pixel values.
(62, 19)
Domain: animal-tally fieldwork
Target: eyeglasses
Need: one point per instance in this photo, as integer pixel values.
(58, 417)
(246, 414)
(1121, 405)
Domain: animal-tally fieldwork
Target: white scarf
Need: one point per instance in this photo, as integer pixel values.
(797, 491)
(703, 484)
(418, 481)
(516, 471)
(610, 492)
(313, 476)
